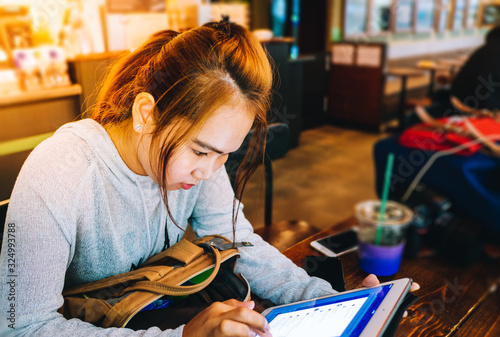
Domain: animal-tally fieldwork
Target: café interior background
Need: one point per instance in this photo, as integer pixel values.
(53, 52)
(111, 25)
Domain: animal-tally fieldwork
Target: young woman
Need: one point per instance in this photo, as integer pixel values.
(106, 193)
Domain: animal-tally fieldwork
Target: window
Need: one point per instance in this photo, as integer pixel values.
(404, 15)
(424, 18)
(356, 17)
(381, 16)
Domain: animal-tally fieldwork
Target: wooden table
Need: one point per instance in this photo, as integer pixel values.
(454, 301)
(432, 67)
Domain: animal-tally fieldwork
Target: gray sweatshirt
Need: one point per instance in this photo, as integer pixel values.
(79, 214)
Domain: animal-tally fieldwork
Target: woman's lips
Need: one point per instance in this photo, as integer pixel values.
(186, 186)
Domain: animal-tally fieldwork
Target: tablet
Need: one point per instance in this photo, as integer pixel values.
(360, 312)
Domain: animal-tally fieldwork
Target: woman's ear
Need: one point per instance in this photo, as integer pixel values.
(142, 111)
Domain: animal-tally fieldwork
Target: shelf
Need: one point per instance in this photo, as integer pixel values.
(22, 97)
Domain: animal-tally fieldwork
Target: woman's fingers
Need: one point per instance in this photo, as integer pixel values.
(242, 314)
(414, 287)
(370, 281)
(234, 327)
(236, 303)
(229, 318)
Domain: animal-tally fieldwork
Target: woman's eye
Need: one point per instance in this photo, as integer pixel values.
(199, 154)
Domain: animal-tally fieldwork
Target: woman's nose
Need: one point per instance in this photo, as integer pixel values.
(205, 171)
(207, 168)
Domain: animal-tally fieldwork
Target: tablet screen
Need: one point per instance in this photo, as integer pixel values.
(341, 315)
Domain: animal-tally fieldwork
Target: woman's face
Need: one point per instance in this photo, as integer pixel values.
(222, 134)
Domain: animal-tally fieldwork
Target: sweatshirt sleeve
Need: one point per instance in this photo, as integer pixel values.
(271, 275)
(36, 253)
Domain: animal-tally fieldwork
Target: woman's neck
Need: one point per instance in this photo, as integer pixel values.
(126, 142)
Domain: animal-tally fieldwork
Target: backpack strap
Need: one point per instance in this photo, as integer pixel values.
(183, 251)
(160, 288)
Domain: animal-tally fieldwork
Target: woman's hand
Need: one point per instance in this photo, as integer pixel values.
(229, 318)
(372, 280)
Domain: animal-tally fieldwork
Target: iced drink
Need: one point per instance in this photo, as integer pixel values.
(381, 245)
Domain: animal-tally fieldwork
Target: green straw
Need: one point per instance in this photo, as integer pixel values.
(385, 194)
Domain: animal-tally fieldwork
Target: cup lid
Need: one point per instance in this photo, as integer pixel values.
(395, 213)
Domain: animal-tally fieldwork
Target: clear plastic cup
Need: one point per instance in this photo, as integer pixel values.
(380, 246)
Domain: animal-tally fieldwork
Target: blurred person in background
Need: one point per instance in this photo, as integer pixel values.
(477, 84)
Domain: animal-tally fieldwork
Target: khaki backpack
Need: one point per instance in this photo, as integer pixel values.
(182, 280)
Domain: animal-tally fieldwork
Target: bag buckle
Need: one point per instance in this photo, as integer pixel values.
(221, 245)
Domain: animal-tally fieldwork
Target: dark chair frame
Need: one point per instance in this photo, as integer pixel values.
(277, 145)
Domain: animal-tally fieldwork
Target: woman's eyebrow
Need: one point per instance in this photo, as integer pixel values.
(207, 146)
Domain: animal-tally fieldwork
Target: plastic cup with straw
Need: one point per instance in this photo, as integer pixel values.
(385, 195)
(382, 230)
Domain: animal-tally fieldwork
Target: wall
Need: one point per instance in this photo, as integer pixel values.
(403, 45)
(408, 45)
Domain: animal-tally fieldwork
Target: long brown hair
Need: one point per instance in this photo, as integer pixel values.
(190, 75)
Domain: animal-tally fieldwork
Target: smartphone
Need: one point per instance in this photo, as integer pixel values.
(337, 244)
(327, 268)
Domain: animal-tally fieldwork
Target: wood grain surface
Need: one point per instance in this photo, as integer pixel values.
(454, 300)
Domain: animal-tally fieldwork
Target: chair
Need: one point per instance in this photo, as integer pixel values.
(282, 234)
(3, 215)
